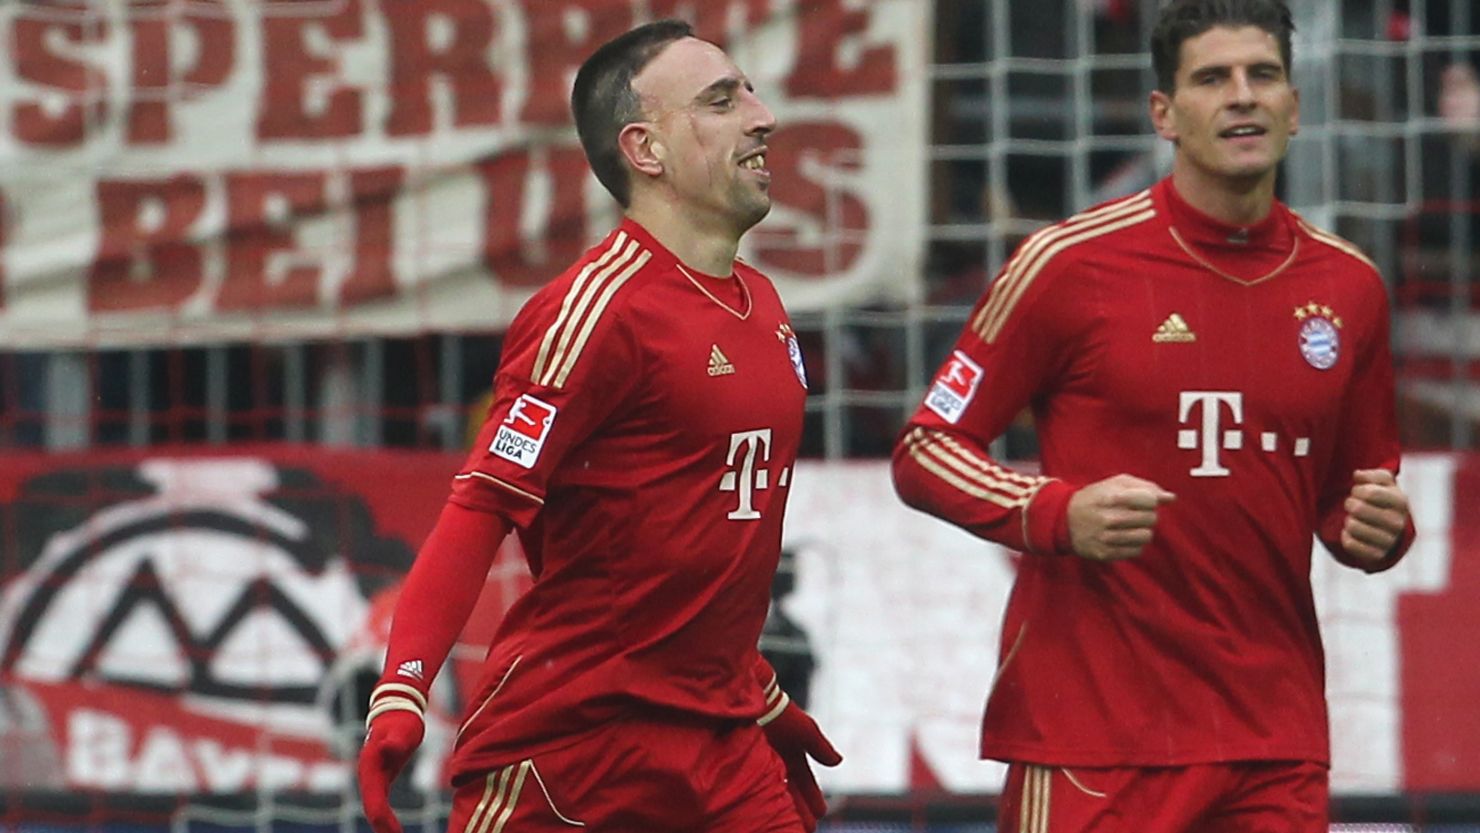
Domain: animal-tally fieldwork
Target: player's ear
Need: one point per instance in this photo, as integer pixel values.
(1160, 108)
(642, 147)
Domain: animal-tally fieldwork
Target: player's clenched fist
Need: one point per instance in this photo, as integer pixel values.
(1114, 518)
(1376, 515)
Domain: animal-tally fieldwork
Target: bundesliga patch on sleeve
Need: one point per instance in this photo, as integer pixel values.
(954, 387)
(523, 432)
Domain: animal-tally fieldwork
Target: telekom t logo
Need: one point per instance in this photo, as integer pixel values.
(1211, 436)
(748, 449)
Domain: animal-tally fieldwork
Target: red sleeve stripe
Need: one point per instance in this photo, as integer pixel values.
(1334, 241)
(583, 304)
(969, 473)
(1038, 250)
(497, 482)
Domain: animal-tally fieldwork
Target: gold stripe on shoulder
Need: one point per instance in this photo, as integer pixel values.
(1036, 253)
(575, 308)
(580, 310)
(989, 327)
(571, 296)
(1335, 241)
(505, 484)
(598, 307)
(1110, 207)
(1035, 241)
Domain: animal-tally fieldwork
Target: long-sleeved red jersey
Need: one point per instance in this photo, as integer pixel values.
(643, 431)
(1245, 369)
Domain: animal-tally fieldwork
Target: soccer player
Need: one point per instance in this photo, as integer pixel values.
(1212, 385)
(641, 440)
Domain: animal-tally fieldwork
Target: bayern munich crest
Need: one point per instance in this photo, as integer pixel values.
(786, 335)
(1320, 335)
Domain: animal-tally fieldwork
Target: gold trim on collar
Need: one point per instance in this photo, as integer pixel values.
(744, 291)
(1294, 250)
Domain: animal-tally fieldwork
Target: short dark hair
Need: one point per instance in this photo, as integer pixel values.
(1183, 19)
(603, 101)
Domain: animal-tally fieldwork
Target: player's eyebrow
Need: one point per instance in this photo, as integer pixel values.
(727, 85)
(1221, 70)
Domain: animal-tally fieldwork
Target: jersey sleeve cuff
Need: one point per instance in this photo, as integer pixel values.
(485, 493)
(1046, 520)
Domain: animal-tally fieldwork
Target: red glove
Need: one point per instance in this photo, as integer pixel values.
(795, 737)
(394, 729)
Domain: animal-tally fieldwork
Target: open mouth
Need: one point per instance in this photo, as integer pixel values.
(755, 162)
(1243, 131)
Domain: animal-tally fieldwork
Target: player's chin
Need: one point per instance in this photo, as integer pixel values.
(1248, 170)
(1253, 165)
(754, 210)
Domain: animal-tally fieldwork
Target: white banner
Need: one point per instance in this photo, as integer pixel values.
(209, 170)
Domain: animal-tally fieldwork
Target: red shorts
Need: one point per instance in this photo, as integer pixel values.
(1242, 797)
(637, 776)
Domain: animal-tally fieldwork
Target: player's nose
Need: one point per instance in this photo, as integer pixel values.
(759, 119)
(1241, 91)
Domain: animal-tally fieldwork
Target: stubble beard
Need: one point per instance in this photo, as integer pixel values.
(750, 208)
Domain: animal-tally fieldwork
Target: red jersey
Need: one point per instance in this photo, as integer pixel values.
(1248, 371)
(641, 439)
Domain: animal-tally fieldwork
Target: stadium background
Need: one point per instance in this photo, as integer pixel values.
(255, 259)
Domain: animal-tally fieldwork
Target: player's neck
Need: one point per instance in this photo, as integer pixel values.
(1235, 202)
(695, 245)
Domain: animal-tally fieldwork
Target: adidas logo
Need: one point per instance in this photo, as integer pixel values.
(410, 668)
(718, 364)
(1173, 329)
